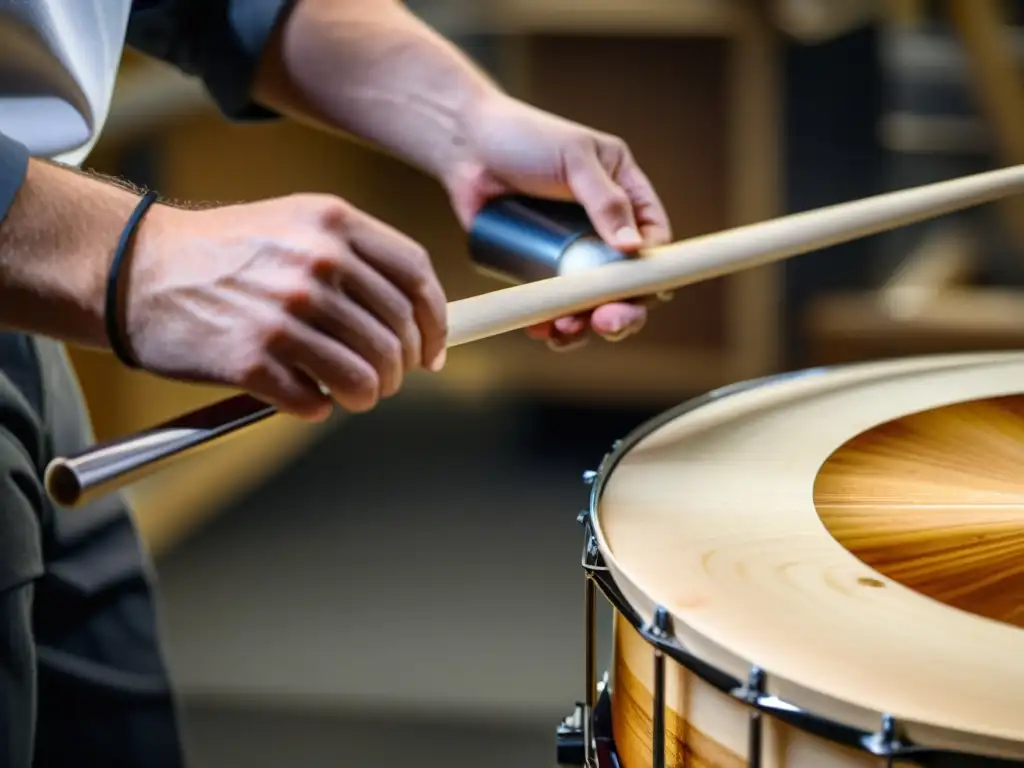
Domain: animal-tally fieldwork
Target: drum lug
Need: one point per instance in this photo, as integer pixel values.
(888, 741)
(589, 477)
(752, 693)
(569, 738)
(661, 628)
(573, 731)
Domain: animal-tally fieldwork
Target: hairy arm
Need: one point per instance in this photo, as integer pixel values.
(372, 69)
(59, 227)
(58, 231)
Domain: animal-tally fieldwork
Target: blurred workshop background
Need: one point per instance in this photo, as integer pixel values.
(405, 586)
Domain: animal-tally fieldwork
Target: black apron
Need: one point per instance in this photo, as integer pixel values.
(82, 676)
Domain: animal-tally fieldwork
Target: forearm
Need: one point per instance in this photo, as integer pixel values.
(374, 70)
(56, 243)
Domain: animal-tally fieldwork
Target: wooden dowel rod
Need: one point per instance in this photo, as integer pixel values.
(680, 264)
(70, 481)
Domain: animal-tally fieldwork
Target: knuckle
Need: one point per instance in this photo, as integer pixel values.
(297, 299)
(614, 202)
(334, 213)
(325, 262)
(363, 389)
(419, 258)
(585, 142)
(390, 350)
(412, 339)
(273, 333)
(615, 145)
(252, 370)
(610, 148)
(406, 316)
(424, 279)
(421, 287)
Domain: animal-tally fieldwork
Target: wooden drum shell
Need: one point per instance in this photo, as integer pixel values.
(704, 728)
(764, 584)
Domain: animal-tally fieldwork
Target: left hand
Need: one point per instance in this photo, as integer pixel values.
(512, 147)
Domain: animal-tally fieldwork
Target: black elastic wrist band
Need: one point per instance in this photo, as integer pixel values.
(115, 288)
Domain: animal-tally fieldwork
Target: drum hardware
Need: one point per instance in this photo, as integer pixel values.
(584, 738)
(73, 480)
(571, 743)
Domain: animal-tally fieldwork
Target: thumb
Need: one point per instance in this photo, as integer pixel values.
(607, 204)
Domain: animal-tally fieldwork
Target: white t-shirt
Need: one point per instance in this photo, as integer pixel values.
(58, 65)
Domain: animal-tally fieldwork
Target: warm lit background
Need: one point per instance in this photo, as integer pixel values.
(404, 586)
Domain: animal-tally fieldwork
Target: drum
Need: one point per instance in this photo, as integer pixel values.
(816, 570)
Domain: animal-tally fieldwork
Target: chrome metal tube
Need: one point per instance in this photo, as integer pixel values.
(521, 239)
(106, 467)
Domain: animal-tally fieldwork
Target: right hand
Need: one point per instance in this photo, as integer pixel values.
(280, 296)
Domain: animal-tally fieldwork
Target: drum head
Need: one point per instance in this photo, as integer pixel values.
(858, 533)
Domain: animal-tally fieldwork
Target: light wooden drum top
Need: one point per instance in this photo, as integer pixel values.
(857, 533)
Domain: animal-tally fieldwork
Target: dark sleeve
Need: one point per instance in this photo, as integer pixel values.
(13, 167)
(218, 41)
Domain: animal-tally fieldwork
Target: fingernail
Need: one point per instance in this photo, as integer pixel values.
(566, 346)
(625, 333)
(667, 295)
(438, 362)
(628, 237)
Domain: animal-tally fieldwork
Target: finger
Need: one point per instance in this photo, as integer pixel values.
(350, 379)
(561, 343)
(618, 320)
(540, 332)
(651, 217)
(606, 203)
(290, 391)
(389, 305)
(341, 317)
(573, 325)
(405, 263)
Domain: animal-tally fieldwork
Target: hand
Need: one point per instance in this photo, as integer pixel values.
(513, 147)
(282, 296)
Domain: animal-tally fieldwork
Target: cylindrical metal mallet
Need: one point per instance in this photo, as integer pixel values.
(521, 239)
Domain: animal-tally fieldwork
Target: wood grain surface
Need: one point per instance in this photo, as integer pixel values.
(711, 514)
(935, 501)
(703, 728)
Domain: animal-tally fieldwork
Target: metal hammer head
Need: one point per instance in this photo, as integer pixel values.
(521, 239)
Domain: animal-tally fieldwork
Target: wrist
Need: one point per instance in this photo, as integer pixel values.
(145, 272)
(454, 117)
(118, 284)
(465, 164)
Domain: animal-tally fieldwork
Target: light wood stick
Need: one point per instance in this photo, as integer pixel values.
(73, 480)
(680, 264)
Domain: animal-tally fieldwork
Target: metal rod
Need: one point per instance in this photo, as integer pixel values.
(658, 726)
(590, 663)
(755, 745)
(106, 468)
(77, 479)
(661, 628)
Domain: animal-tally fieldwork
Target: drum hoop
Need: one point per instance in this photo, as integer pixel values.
(888, 742)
